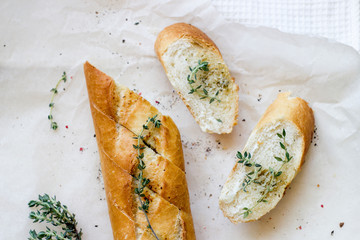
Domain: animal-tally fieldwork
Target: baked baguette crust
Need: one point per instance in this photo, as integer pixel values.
(293, 109)
(284, 111)
(182, 31)
(118, 115)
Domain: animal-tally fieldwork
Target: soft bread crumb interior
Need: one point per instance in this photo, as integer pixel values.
(183, 54)
(263, 145)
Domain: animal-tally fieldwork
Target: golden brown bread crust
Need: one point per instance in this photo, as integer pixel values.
(114, 117)
(132, 111)
(177, 31)
(295, 110)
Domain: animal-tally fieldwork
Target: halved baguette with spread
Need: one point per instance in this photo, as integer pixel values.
(119, 115)
(197, 71)
(271, 158)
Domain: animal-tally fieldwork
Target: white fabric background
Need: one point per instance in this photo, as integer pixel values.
(334, 19)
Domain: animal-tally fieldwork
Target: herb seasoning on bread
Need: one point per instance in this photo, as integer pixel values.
(271, 158)
(197, 71)
(142, 163)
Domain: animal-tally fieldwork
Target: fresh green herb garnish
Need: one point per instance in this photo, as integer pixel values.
(270, 182)
(142, 181)
(252, 176)
(54, 90)
(219, 120)
(202, 92)
(52, 211)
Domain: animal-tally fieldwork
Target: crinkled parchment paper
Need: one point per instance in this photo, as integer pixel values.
(41, 39)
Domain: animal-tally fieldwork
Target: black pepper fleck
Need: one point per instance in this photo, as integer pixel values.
(137, 23)
(96, 225)
(332, 233)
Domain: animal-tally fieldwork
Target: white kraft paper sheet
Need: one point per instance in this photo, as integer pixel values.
(41, 39)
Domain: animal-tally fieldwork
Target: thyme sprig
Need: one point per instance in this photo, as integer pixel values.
(142, 181)
(253, 176)
(53, 124)
(191, 78)
(52, 211)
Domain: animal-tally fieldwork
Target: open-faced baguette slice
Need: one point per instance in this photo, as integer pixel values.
(289, 121)
(182, 48)
(119, 115)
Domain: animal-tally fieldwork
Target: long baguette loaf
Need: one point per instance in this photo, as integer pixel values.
(119, 115)
(212, 98)
(289, 121)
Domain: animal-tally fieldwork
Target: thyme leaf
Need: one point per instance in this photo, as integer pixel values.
(51, 211)
(53, 124)
(142, 181)
(192, 78)
(253, 175)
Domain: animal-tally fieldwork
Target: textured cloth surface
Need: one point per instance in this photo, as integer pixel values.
(334, 19)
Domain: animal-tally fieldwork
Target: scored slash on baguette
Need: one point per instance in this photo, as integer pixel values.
(181, 46)
(286, 113)
(118, 115)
